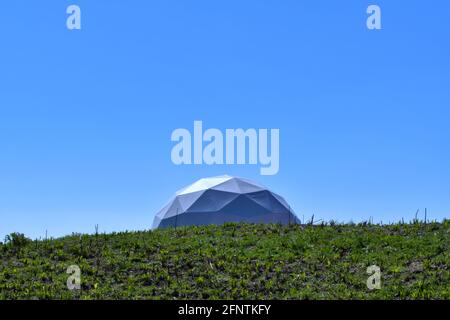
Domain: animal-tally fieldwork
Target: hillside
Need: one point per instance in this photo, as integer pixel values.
(234, 262)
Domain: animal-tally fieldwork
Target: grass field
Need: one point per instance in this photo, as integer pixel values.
(234, 261)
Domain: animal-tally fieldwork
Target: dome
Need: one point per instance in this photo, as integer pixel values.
(222, 199)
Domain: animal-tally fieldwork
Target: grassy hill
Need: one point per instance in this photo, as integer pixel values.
(234, 261)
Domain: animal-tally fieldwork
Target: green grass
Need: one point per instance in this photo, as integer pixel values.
(234, 261)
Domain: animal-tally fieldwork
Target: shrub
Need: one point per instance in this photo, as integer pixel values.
(17, 240)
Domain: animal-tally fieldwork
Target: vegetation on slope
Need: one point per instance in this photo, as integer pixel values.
(234, 261)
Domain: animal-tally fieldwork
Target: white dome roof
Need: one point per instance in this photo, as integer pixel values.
(221, 199)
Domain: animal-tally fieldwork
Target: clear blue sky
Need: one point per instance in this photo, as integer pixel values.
(86, 116)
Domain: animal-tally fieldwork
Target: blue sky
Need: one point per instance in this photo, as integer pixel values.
(86, 116)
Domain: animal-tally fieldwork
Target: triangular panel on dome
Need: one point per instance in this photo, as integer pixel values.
(281, 199)
(203, 184)
(253, 183)
(186, 200)
(212, 200)
(229, 185)
(244, 207)
(164, 209)
(263, 198)
(173, 209)
(247, 187)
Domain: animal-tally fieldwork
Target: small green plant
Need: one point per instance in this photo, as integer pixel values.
(17, 240)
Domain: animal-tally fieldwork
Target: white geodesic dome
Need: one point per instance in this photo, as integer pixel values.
(223, 199)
